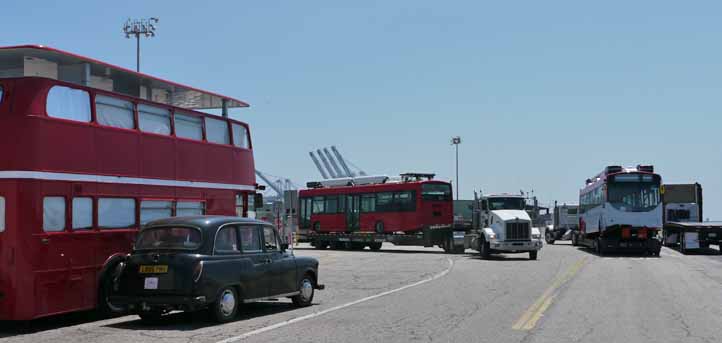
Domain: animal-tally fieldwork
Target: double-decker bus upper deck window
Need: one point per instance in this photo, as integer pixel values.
(82, 213)
(155, 209)
(436, 191)
(115, 213)
(154, 119)
(188, 126)
(2, 214)
(217, 131)
(189, 208)
(53, 214)
(114, 112)
(240, 135)
(68, 103)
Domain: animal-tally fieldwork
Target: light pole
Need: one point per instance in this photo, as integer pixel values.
(456, 141)
(138, 27)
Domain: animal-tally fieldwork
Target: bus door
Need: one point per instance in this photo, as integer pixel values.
(353, 212)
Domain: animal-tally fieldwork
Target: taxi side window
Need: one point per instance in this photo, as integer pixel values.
(270, 241)
(227, 241)
(250, 239)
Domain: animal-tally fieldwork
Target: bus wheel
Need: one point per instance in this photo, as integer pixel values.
(105, 307)
(379, 227)
(321, 245)
(375, 246)
(317, 226)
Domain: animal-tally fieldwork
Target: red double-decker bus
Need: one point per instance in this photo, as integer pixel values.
(92, 151)
(414, 211)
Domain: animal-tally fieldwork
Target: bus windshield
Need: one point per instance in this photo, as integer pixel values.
(506, 204)
(436, 191)
(183, 238)
(634, 192)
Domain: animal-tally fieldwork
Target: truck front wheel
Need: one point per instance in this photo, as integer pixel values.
(533, 255)
(548, 237)
(484, 252)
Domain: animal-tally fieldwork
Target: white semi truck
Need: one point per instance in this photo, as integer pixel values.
(502, 225)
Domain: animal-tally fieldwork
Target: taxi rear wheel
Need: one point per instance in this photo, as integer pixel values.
(225, 307)
(306, 289)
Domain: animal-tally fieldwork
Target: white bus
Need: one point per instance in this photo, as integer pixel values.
(620, 208)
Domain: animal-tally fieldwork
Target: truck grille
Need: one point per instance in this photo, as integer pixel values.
(517, 231)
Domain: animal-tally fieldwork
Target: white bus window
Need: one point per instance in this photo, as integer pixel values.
(188, 126)
(154, 119)
(240, 136)
(82, 213)
(68, 103)
(217, 131)
(116, 213)
(53, 214)
(2, 211)
(155, 209)
(189, 208)
(114, 112)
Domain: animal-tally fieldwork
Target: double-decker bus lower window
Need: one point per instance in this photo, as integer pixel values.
(318, 205)
(189, 208)
(153, 119)
(436, 191)
(2, 214)
(114, 112)
(115, 213)
(240, 136)
(68, 103)
(82, 213)
(188, 126)
(53, 214)
(155, 209)
(331, 204)
(217, 131)
(368, 203)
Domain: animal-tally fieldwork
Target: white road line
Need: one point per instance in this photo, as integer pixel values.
(335, 308)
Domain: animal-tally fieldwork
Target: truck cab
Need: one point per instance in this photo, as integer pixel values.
(503, 226)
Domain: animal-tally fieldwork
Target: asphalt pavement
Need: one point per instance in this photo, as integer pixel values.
(411, 294)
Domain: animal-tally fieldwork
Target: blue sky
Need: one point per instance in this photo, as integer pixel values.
(543, 93)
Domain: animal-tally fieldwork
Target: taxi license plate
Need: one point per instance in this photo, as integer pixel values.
(160, 269)
(150, 283)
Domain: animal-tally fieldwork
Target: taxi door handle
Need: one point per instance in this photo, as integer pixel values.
(45, 240)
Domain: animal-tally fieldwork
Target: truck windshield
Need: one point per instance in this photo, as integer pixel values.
(634, 192)
(506, 204)
(183, 238)
(436, 191)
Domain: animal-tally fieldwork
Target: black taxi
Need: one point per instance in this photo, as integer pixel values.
(210, 262)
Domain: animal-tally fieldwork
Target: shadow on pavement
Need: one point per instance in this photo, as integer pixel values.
(384, 251)
(500, 257)
(617, 254)
(14, 328)
(701, 251)
(189, 321)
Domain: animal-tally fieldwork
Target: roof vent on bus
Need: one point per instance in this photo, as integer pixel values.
(614, 169)
(370, 180)
(645, 168)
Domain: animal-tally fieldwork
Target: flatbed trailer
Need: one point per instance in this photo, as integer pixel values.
(692, 235)
(450, 239)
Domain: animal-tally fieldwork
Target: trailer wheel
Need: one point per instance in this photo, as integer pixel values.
(575, 239)
(379, 227)
(375, 246)
(599, 245)
(484, 252)
(317, 226)
(682, 247)
(548, 238)
(533, 255)
(321, 245)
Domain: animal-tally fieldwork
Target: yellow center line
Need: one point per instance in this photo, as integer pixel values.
(531, 316)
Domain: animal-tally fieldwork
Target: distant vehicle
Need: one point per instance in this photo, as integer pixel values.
(621, 209)
(365, 212)
(503, 226)
(565, 222)
(214, 262)
(91, 152)
(683, 226)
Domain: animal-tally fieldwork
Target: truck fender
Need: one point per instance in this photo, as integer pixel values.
(488, 232)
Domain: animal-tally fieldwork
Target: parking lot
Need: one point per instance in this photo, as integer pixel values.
(422, 294)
